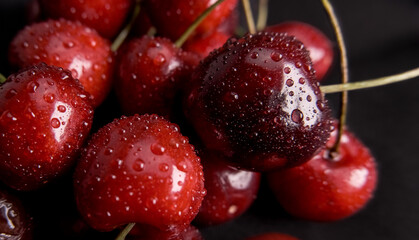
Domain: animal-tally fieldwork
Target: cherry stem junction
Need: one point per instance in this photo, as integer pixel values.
(124, 33)
(376, 82)
(249, 16)
(262, 14)
(123, 234)
(2, 78)
(344, 71)
(195, 24)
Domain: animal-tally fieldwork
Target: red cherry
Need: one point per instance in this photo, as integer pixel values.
(272, 236)
(166, 14)
(45, 116)
(319, 46)
(68, 45)
(230, 191)
(105, 16)
(146, 233)
(328, 190)
(256, 100)
(150, 72)
(139, 169)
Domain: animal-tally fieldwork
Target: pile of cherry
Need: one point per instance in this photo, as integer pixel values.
(198, 127)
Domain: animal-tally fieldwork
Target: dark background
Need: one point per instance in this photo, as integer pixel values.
(382, 38)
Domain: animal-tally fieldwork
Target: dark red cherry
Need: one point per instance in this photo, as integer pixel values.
(256, 100)
(319, 46)
(150, 72)
(230, 191)
(325, 189)
(45, 116)
(272, 236)
(139, 169)
(71, 46)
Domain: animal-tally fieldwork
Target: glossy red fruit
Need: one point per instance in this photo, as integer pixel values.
(203, 45)
(147, 233)
(319, 46)
(325, 189)
(150, 72)
(257, 101)
(69, 45)
(230, 191)
(45, 116)
(139, 169)
(165, 14)
(272, 236)
(105, 16)
(15, 224)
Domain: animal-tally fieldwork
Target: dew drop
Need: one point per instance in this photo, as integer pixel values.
(297, 116)
(159, 59)
(11, 93)
(61, 108)
(108, 151)
(301, 80)
(290, 82)
(157, 149)
(254, 55)
(276, 56)
(320, 105)
(55, 123)
(287, 70)
(164, 167)
(32, 86)
(309, 98)
(138, 165)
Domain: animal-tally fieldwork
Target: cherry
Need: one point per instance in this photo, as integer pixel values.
(203, 45)
(146, 233)
(325, 189)
(15, 224)
(230, 191)
(45, 116)
(272, 236)
(319, 46)
(256, 100)
(150, 72)
(69, 45)
(166, 14)
(105, 16)
(139, 169)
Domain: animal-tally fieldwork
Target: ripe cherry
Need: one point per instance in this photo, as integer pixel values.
(105, 16)
(139, 169)
(71, 46)
(230, 191)
(256, 100)
(325, 189)
(319, 46)
(45, 116)
(272, 236)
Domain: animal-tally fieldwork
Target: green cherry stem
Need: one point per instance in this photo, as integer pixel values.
(2, 78)
(376, 82)
(124, 33)
(249, 16)
(123, 234)
(195, 24)
(344, 71)
(262, 14)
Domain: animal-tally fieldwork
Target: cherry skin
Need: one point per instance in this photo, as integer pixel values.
(272, 236)
(230, 191)
(257, 101)
(319, 46)
(166, 14)
(139, 169)
(150, 73)
(69, 45)
(105, 16)
(325, 189)
(45, 116)
(203, 45)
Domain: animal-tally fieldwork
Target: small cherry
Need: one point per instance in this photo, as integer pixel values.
(257, 101)
(45, 116)
(71, 46)
(139, 169)
(272, 236)
(230, 191)
(319, 46)
(105, 16)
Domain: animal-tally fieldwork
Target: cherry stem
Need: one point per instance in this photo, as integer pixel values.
(376, 82)
(262, 14)
(249, 16)
(2, 78)
(124, 33)
(195, 24)
(344, 71)
(123, 234)
(151, 32)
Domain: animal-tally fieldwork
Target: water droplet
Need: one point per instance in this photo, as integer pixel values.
(159, 59)
(164, 167)
(55, 123)
(276, 56)
(32, 86)
(254, 55)
(61, 108)
(320, 105)
(290, 82)
(297, 116)
(301, 80)
(287, 70)
(108, 151)
(157, 149)
(138, 165)
(309, 98)
(68, 44)
(291, 93)
(12, 92)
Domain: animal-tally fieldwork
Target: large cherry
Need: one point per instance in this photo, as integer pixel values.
(139, 169)
(256, 100)
(71, 46)
(325, 189)
(230, 191)
(319, 46)
(45, 116)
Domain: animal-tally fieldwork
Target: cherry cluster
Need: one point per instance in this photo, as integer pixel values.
(197, 126)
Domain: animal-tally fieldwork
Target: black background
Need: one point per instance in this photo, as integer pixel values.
(382, 38)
